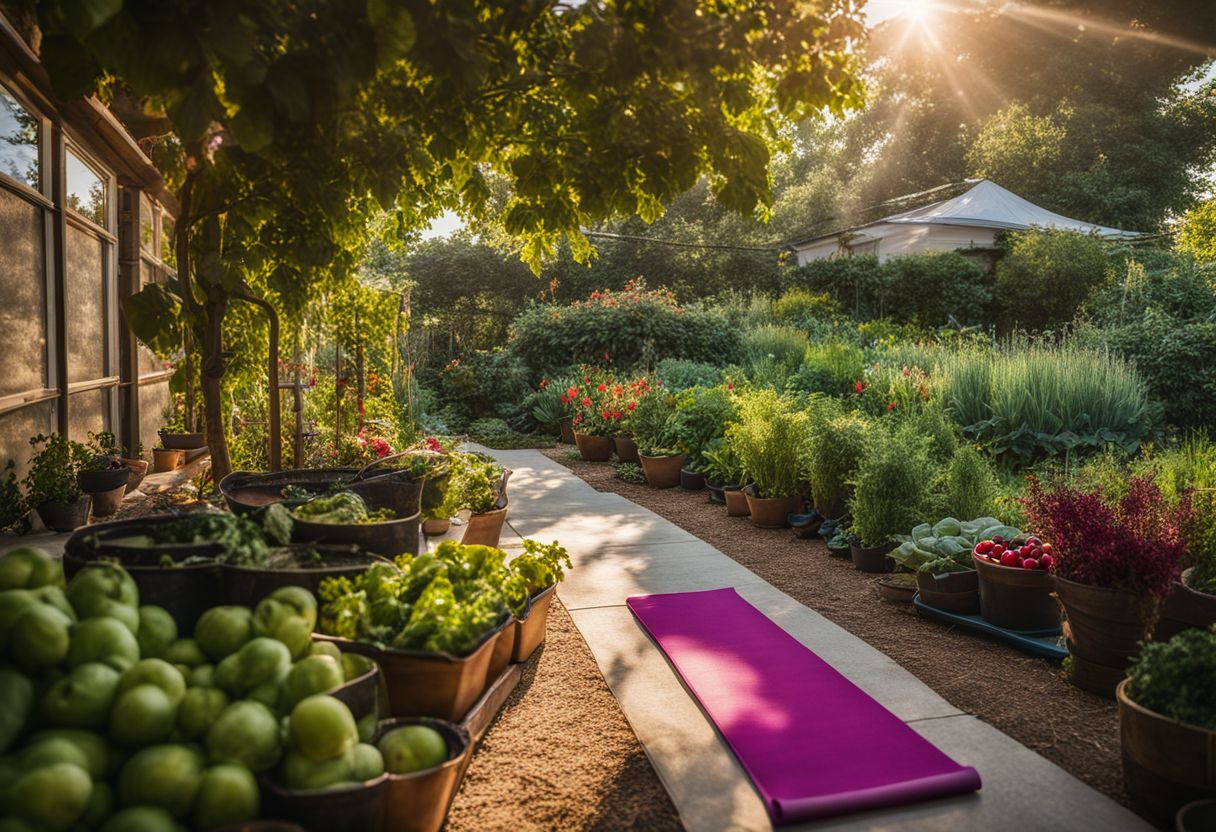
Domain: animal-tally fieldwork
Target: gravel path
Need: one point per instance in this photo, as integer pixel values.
(1023, 696)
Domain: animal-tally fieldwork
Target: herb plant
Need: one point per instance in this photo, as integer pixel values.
(891, 487)
(1174, 678)
(52, 473)
(700, 417)
(651, 423)
(768, 437)
(834, 448)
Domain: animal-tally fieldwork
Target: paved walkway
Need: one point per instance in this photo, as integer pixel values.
(621, 549)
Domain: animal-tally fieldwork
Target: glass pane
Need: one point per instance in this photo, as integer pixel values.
(18, 141)
(86, 306)
(86, 190)
(146, 239)
(22, 288)
(168, 255)
(16, 428)
(88, 411)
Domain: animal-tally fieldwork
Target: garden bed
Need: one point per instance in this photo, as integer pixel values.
(1023, 696)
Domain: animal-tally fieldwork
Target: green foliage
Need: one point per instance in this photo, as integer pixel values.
(480, 385)
(545, 405)
(830, 367)
(52, 470)
(891, 488)
(835, 445)
(534, 570)
(12, 504)
(1197, 234)
(1174, 678)
(971, 485)
(700, 417)
(619, 330)
(488, 426)
(930, 289)
(796, 306)
(768, 437)
(475, 484)
(946, 546)
(678, 374)
(1031, 400)
(651, 423)
(722, 465)
(773, 353)
(1046, 275)
(629, 472)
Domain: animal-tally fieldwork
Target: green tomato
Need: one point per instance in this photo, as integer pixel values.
(105, 590)
(101, 806)
(368, 724)
(142, 819)
(81, 699)
(143, 715)
(321, 727)
(184, 651)
(262, 660)
(105, 640)
(227, 796)
(55, 597)
(300, 599)
(288, 614)
(369, 762)
(304, 773)
(53, 797)
(354, 665)
(156, 672)
(157, 630)
(40, 637)
(309, 676)
(94, 748)
(52, 750)
(245, 733)
(413, 748)
(199, 708)
(13, 602)
(167, 776)
(221, 631)
(325, 648)
(16, 705)
(202, 676)
(28, 568)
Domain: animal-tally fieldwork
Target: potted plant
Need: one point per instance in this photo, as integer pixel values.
(1114, 561)
(624, 401)
(13, 511)
(1167, 723)
(835, 446)
(549, 406)
(890, 494)
(167, 459)
(534, 576)
(768, 437)
(101, 472)
(651, 424)
(51, 484)
(700, 420)
(940, 555)
(174, 435)
(137, 468)
(594, 421)
(1192, 598)
(478, 485)
(723, 473)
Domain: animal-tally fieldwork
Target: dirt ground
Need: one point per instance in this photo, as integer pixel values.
(1024, 696)
(561, 755)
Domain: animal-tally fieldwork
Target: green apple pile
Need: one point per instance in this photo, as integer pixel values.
(109, 721)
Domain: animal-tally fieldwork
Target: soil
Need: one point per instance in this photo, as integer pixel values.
(560, 754)
(1024, 696)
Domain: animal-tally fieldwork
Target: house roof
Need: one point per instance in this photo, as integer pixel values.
(985, 205)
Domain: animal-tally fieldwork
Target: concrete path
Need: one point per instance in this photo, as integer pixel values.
(621, 549)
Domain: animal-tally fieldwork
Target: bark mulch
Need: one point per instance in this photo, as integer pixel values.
(1024, 696)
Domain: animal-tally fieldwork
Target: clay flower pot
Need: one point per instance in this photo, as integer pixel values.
(1166, 764)
(567, 429)
(106, 503)
(484, 529)
(874, 559)
(626, 449)
(736, 501)
(167, 459)
(65, 517)
(1017, 599)
(768, 512)
(594, 448)
(137, 469)
(419, 801)
(436, 526)
(1185, 608)
(662, 471)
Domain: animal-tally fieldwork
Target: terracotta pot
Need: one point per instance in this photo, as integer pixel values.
(662, 471)
(419, 801)
(1104, 626)
(1166, 764)
(594, 448)
(182, 441)
(1017, 599)
(352, 808)
(736, 501)
(435, 527)
(484, 529)
(897, 589)
(530, 634)
(167, 459)
(98, 482)
(1184, 609)
(106, 503)
(65, 517)
(500, 656)
(691, 480)
(875, 559)
(567, 429)
(626, 449)
(769, 512)
(137, 469)
(956, 592)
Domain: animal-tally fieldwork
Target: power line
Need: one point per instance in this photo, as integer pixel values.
(677, 244)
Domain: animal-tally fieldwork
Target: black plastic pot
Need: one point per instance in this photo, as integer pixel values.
(245, 586)
(182, 441)
(65, 517)
(387, 537)
(876, 559)
(691, 480)
(716, 494)
(96, 482)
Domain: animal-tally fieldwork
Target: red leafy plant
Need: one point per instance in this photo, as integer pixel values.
(1135, 542)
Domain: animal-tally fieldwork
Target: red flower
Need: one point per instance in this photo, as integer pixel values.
(890, 407)
(616, 414)
(605, 415)
(572, 392)
(586, 402)
(858, 387)
(730, 386)
(605, 355)
(544, 383)
(602, 387)
(632, 405)
(586, 379)
(907, 372)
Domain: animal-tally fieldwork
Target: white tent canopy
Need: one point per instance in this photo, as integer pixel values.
(970, 220)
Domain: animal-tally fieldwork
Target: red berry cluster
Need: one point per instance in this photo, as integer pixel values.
(1030, 553)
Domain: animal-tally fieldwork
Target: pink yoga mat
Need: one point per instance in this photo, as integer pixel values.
(813, 743)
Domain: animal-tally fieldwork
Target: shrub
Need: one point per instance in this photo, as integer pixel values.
(797, 306)
(489, 426)
(1046, 275)
(52, 470)
(618, 329)
(773, 353)
(678, 374)
(651, 422)
(768, 437)
(1134, 543)
(722, 466)
(828, 367)
(629, 472)
(858, 283)
(890, 488)
(834, 448)
(1174, 678)
(971, 484)
(481, 384)
(700, 417)
(602, 405)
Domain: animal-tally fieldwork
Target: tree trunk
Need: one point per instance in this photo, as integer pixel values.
(213, 369)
